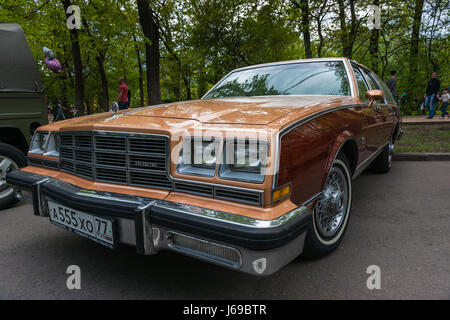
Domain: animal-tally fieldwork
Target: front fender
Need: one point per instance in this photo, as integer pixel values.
(345, 142)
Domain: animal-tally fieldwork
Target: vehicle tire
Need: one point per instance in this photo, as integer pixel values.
(11, 158)
(331, 212)
(383, 163)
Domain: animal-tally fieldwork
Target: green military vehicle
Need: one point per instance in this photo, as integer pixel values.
(22, 104)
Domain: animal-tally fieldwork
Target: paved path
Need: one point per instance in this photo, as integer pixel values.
(423, 120)
(400, 222)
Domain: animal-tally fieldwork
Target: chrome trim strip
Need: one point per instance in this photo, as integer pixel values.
(312, 199)
(367, 161)
(105, 196)
(230, 217)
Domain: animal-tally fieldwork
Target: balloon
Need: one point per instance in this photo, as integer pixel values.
(48, 53)
(53, 64)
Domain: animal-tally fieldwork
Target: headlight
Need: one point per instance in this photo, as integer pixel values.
(39, 142)
(52, 149)
(198, 156)
(244, 160)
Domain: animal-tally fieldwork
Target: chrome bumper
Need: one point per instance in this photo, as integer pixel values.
(259, 247)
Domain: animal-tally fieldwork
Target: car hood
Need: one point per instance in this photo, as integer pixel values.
(234, 112)
(251, 110)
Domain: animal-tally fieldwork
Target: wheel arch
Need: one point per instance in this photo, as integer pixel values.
(12, 135)
(346, 143)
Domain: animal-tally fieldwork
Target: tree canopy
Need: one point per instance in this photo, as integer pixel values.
(200, 41)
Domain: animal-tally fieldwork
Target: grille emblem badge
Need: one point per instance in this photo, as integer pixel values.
(146, 164)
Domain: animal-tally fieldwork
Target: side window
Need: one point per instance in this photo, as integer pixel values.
(386, 91)
(372, 83)
(362, 85)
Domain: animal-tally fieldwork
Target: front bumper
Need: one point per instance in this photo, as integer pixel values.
(242, 243)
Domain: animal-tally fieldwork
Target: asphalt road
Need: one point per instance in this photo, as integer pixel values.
(400, 222)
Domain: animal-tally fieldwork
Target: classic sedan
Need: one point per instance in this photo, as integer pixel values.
(249, 177)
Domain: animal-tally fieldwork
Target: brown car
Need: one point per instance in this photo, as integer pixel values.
(252, 175)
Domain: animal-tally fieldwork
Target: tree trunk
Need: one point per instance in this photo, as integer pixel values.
(141, 75)
(104, 102)
(348, 35)
(151, 32)
(344, 34)
(305, 26)
(319, 32)
(100, 58)
(414, 49)
(188, 88)
(77, 63)
(373, 46)
(304, 8)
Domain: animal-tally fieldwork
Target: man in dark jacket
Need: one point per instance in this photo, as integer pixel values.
(433, 88)
(392, 83)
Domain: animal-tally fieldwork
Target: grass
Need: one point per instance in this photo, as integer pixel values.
(424, 138)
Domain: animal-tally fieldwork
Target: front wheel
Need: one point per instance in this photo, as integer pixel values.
(331, 212)
(11, 159)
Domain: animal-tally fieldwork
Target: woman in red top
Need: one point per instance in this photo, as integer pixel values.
(123, 95)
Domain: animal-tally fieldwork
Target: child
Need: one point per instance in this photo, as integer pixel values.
(444, 99)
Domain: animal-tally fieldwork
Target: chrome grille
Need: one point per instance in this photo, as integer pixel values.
(46, 163)
(116, 157)
(116, 143)
(111, 159)
(83, 141)
(83, 155)
(135, 159)
(66, 153)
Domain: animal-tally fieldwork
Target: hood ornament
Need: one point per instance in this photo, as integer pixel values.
(114, 108)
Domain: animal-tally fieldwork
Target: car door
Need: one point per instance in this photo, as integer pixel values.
(389, 100)
(371, 137)
(381, 106)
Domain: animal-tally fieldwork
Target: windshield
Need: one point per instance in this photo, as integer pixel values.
(312, 78)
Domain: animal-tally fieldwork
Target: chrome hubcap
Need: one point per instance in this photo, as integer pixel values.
(6, 165)
(332, 205)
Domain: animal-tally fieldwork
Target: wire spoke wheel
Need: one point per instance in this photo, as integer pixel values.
(332, 206)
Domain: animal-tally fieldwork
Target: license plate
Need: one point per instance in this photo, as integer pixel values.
(98, 229)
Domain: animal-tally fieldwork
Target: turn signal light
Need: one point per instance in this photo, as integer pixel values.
(281, 193)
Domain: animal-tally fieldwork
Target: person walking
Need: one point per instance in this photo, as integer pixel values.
(392, 83)
(60, 111)
(433, 88)
(444, 99)
(122, 95)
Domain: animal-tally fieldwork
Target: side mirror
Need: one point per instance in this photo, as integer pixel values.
(374, 95)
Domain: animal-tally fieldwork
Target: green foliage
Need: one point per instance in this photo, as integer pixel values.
(202, 40)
